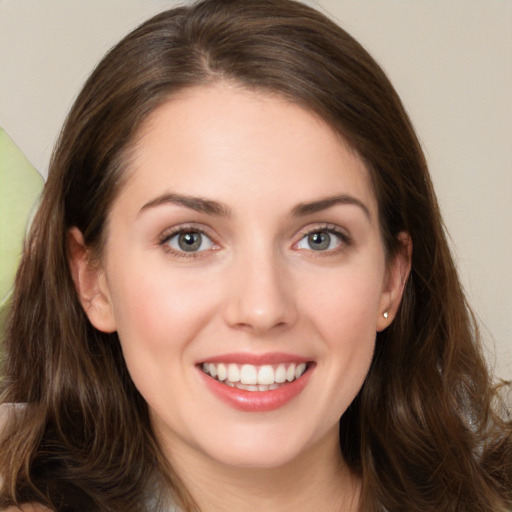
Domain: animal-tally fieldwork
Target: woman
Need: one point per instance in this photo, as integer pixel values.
(236, 206)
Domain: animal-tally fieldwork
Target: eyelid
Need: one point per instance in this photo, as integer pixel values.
(342, 234)
(188, 227)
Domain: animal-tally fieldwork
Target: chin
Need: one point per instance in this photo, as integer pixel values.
(255, 457)
(259, 447)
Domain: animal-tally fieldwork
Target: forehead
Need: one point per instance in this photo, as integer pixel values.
(221, 140)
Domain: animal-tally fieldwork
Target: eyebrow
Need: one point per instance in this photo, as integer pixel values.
(303, 209)
(211, 207)
(198, 204)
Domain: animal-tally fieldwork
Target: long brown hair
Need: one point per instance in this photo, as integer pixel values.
(423, 433)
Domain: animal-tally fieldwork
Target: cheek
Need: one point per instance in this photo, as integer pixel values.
(157, 311)
(158, 316)
(345, 307)
(344, 316)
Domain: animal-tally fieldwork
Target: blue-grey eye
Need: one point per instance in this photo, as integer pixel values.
(320, 241)
(190, 241)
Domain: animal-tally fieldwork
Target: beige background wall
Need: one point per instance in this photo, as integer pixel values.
(451, 61)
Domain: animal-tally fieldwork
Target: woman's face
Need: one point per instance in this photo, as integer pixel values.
(246, 276)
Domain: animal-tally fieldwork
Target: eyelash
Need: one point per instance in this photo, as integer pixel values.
(169, 234)
(345, 240)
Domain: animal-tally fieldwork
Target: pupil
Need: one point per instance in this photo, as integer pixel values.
(319, 241)
(189, 241)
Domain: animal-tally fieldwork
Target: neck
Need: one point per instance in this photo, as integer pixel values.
(318, 479)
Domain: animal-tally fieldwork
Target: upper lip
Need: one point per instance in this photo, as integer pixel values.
(256, 359)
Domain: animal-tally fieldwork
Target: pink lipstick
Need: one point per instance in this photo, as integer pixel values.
(256, 383)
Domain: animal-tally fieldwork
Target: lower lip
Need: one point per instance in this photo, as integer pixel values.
(257, 401)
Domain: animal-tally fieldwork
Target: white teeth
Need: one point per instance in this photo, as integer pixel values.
(248, 374)
(233, 373)
(222, 372)
(254, 378)
(247, 387)
(280, 374)
(266, 375)
(300, 370)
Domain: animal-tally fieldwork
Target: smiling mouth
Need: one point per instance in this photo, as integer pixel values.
(255, 378)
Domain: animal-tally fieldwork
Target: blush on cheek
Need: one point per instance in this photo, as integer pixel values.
(349, 327)
(353, 317)
(165, 312)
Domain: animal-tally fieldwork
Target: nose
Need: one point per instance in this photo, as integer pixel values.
(261, 297)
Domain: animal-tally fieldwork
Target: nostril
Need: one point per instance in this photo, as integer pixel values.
(260, 320)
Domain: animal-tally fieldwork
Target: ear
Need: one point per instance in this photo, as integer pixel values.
(396, 277)
(90, 283)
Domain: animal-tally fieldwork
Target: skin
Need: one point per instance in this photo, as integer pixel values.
(256, 287)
